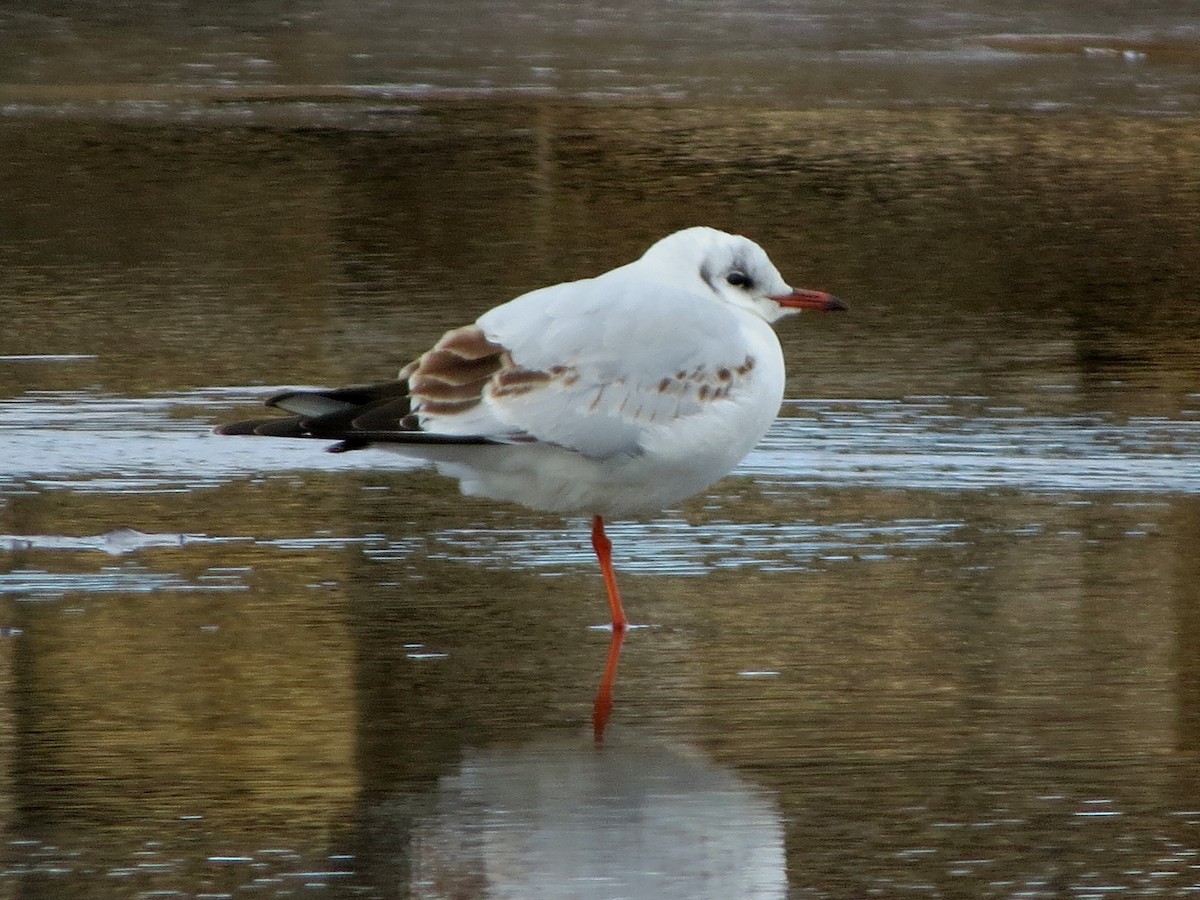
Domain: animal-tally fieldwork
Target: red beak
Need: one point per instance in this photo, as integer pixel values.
(811, 300)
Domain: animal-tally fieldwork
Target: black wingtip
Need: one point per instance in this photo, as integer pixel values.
(276, 426)
(238, 428)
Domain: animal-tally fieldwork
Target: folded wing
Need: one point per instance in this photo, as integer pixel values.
(586, 366)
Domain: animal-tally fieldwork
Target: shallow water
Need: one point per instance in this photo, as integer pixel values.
(938, 635)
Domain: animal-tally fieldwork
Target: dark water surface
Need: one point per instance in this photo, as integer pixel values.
(1019, 54)
(938, 636)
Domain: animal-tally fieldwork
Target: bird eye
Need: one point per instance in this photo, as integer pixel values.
(739, 279)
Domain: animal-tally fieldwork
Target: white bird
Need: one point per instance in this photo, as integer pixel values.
(613, 395)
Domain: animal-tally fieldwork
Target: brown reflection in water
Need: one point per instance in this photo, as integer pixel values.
(186, 738)
(1182, 585)
(1013, 250)
(1183, 582)
(101, 720)
(1012, 676)
(228, 704)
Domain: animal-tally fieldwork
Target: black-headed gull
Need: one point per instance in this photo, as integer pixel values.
(619, 394)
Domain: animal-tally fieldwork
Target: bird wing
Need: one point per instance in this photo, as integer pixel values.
(592, 365)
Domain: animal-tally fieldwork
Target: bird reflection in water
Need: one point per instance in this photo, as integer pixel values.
(558, 816)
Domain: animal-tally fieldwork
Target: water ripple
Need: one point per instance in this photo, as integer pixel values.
(39, 584)
(672, 547)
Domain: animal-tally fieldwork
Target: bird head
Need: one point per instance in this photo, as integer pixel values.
(737, 271)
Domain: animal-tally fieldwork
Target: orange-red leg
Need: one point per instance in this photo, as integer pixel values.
(603, 706)
(603, 547)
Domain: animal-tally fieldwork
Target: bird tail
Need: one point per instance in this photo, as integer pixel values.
(354, 416)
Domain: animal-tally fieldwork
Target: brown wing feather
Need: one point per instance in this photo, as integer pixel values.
(451, 377)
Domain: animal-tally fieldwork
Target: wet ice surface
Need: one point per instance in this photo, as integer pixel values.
(95, 442)
(673, 546)
(86, 443)
(91, 443)
(968, 443)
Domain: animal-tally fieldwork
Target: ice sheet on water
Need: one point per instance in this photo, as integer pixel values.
(85, 442)
(945, 443)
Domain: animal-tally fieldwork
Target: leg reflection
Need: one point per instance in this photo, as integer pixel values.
(602, 708)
